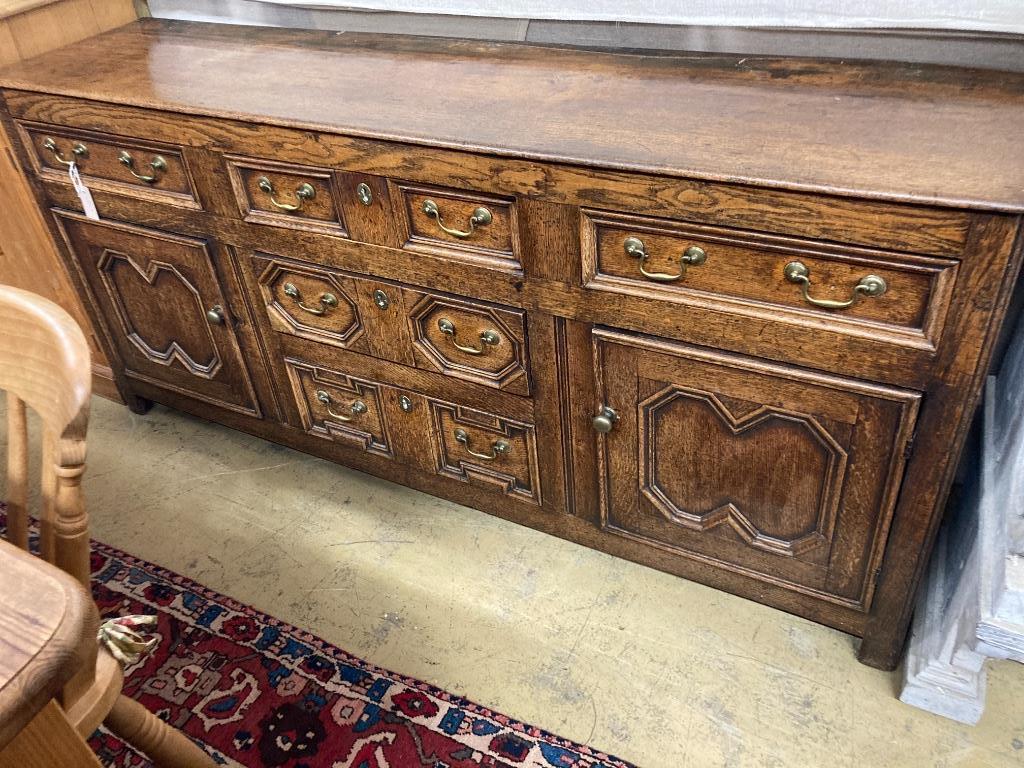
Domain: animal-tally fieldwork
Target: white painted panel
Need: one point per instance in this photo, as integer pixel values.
(992, 15)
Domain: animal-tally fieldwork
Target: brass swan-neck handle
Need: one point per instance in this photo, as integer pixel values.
(488, 338)
(693, 256)
(871, 286)
(481, 218)
(303, 192)
(498, 447)
(327, 300)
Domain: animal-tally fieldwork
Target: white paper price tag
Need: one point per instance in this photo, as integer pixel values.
(88, 206)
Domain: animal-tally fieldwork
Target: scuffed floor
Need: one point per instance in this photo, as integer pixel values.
(655, 669)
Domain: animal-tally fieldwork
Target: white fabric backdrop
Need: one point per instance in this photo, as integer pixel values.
(990, 15)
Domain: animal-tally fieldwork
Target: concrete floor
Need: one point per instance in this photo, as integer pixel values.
(655, 669)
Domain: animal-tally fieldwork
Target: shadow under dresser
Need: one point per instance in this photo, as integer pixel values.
(725, 316)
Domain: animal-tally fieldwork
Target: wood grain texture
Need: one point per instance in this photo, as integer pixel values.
(897, 132)
(46, 618)
(49, 740)
(796, 454)
(904, 227)
(49, 629)
(28, 256)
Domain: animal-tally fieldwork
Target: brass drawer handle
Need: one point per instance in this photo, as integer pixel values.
(481, 218)
(498, 447)
(358, 407)
(303, 192)
(693, 256)
(79, 150)
(158, 164)
(328, 300)
(487, 338)
(869, 285)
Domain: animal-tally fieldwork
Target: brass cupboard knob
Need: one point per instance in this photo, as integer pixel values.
(605, 420)
(215, 315)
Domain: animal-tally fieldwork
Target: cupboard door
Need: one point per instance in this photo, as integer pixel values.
(779, 474)
(164, 308)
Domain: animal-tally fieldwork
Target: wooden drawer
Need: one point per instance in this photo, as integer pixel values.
(286, 195)
(340, 407)
(774, 473)
(465, 226)
(478, 447)
(493, 452)
(311, 302)
(471, 340)
(860, 291)
(133, 166)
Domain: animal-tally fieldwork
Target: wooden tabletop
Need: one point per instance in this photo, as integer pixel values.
(894, 131)
(44, 626)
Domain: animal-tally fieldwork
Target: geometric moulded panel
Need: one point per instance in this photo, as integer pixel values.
(783, 499)
(150, 304)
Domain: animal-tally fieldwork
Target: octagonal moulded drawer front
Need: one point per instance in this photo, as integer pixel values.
(778, 474)
(311, 302)
(471, 340)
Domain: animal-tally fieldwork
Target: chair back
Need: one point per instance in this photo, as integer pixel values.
(45, 366)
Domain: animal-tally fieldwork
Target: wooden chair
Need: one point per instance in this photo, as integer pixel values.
(44, 365)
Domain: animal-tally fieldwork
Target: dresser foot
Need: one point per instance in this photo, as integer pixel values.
(882, 651)
(139, 405)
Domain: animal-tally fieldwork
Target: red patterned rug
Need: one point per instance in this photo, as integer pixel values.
(256, 692)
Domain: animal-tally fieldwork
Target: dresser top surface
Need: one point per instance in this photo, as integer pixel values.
(891, 131)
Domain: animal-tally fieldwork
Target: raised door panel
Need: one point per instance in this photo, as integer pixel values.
(779, 474)
(164, 308)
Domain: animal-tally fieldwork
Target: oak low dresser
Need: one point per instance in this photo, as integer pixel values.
(726, 316)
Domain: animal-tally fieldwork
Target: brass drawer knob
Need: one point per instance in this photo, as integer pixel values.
(79, 150)
(158, 164)
(488, 338)
(498, 447)
(357, 407)
(303, 192)
(869, 285)
(327, 300)
(481, 218)
(605, 420)
(693, 256)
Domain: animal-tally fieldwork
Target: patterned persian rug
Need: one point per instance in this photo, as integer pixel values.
(258, 693)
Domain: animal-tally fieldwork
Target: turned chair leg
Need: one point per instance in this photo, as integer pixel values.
(164, 745)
